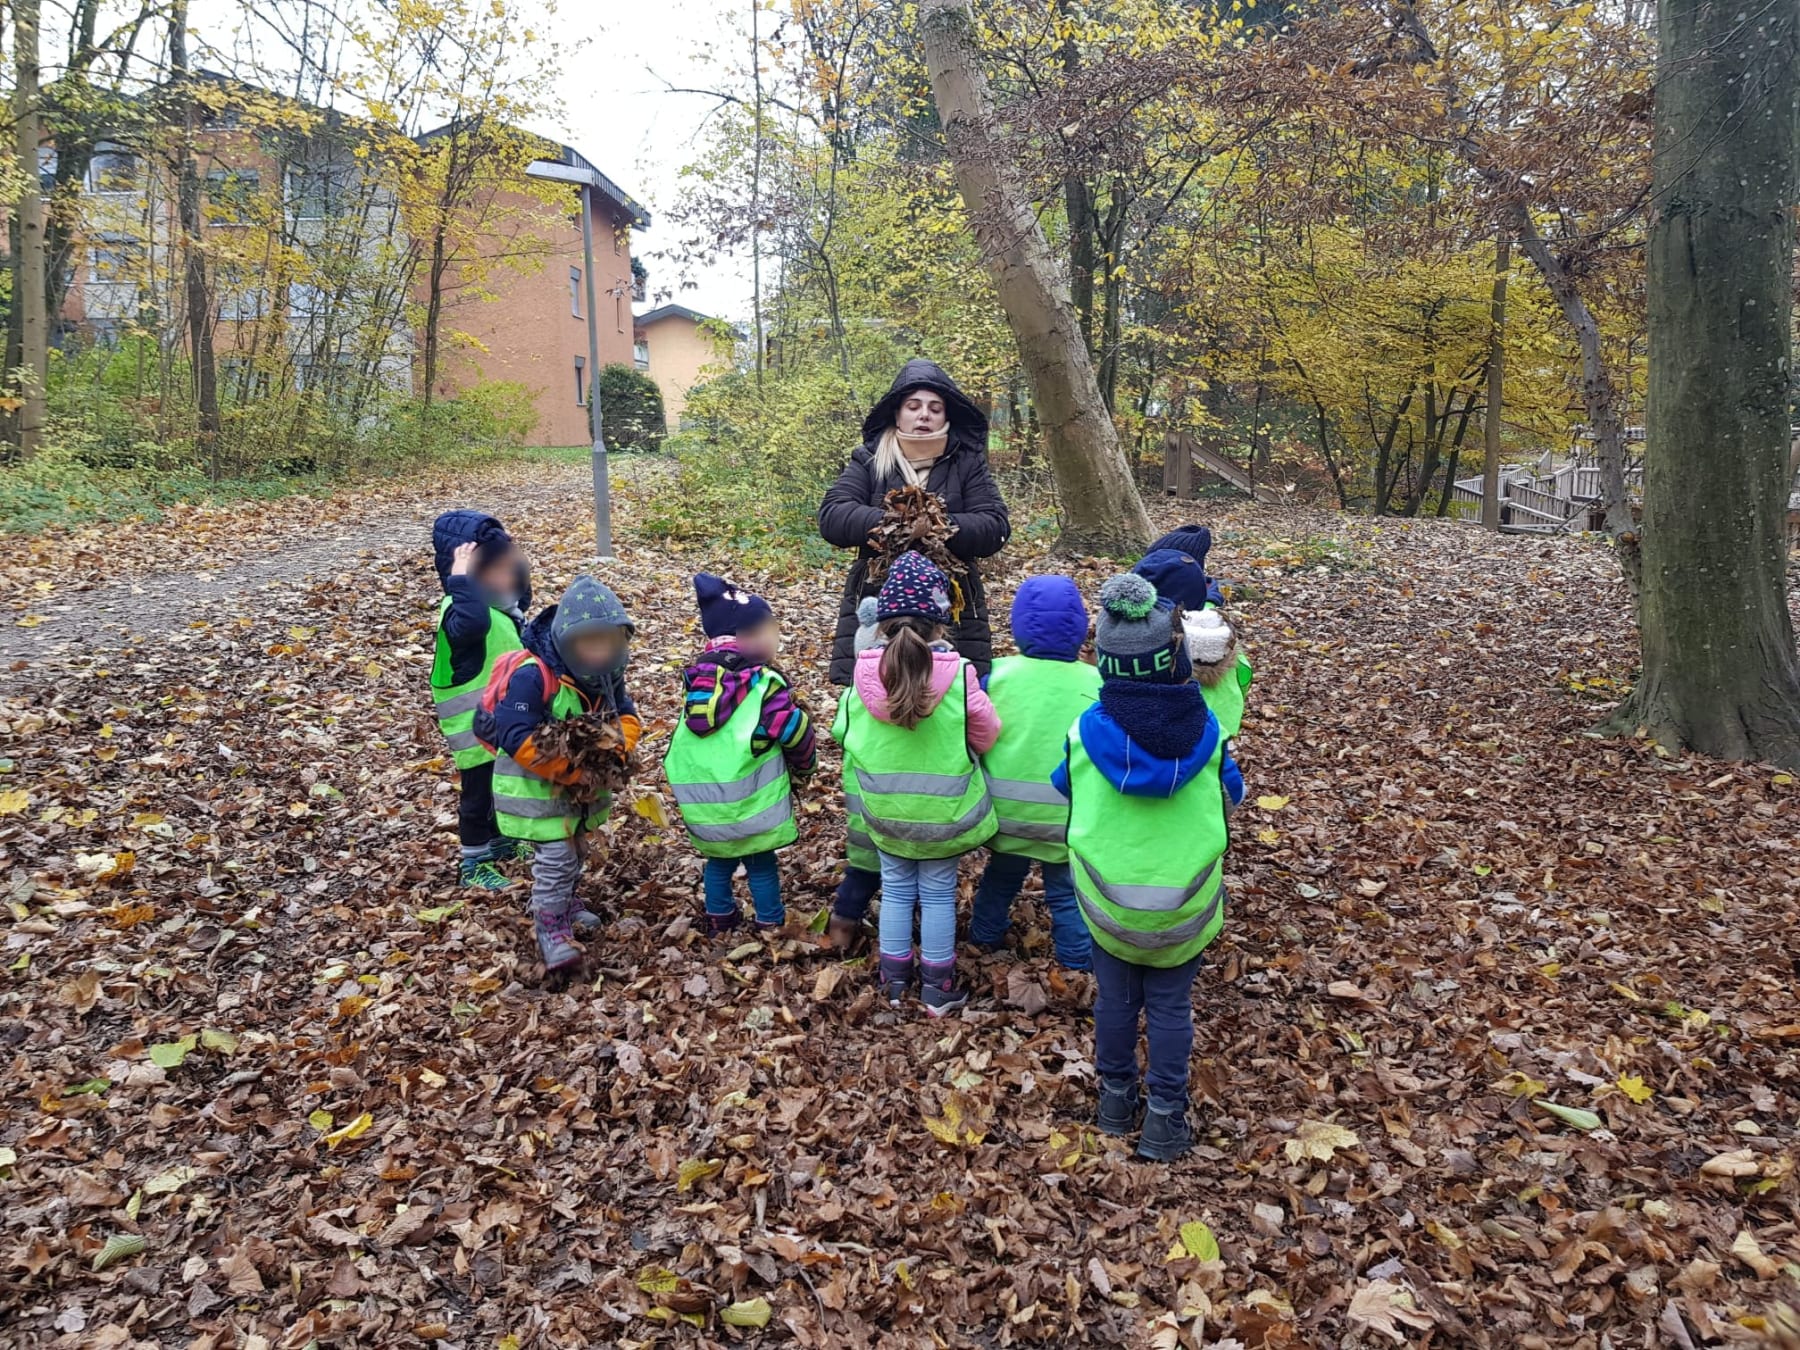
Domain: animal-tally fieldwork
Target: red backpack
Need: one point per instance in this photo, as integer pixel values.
(498, 679)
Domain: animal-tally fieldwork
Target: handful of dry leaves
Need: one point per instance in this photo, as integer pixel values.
(915, 521)
(594, 745)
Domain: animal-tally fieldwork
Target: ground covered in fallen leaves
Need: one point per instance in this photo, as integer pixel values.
(1501, 1046)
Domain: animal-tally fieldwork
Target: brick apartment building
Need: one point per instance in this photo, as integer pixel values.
(291, 282)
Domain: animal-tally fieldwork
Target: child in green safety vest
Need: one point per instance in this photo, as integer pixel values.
(487, 588)
(573, 663)
(1038, 695)
(1149, 784)
(742, 734)
(1176, 566)
(911, 724)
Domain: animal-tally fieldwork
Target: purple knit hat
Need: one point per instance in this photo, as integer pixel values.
(915, 588)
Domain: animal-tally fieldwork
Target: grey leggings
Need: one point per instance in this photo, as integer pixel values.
(555, 872)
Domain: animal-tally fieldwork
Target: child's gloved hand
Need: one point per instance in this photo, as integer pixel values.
(551, 768)
(631, 729)
(462, 561)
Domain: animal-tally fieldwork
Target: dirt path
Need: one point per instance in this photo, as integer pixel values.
(109, 616)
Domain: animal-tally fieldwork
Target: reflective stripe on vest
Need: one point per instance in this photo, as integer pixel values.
(859, 849)
(529, 807)
(455, 704)
(1147, 870)
(914, 812)
(734, 801)
(1038, 701)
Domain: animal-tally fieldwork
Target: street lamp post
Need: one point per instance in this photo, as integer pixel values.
(553, 172)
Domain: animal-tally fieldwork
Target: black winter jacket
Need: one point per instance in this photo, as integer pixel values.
(853, 506)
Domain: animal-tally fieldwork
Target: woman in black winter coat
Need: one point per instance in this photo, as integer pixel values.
(901, 445)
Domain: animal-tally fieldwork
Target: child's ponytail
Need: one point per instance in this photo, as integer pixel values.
(906, 667)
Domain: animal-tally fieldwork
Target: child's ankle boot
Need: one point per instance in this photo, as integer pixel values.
(896, 978)
(555, 935)
(585, 922)
(938, 989)
(1120, 1103)
(481, 874)
(1166, 1134)
(717, 925)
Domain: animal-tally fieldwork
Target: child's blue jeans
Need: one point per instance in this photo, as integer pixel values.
(1000, 883)
(764, 875)
(1125, 991)
(929, 886)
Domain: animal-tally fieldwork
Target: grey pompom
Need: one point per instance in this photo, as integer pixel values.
(1128, 596)
(867, 610)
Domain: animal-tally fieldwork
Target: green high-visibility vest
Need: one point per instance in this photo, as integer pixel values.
(859, 849)
(1148, 870)
(529, 807)
(1038, 701)
(456, 703)
(1226, 699)
(733, 801)
(923, 795)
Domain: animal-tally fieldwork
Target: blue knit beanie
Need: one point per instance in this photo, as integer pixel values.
(1049, 620)
(1177, 575)
(726, 609)
(1135, 637)
(1193, 540)
(915, 588)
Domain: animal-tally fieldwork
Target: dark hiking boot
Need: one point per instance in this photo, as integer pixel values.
(1120, 1103)
(510, 850)
(848, 936)
(585, 922)
(939, 991)
(717, 925)
(1166, 1134)
(481, 874)
(556, 937)
(896, 978)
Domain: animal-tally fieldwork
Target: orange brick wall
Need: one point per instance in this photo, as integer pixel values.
(522, 328)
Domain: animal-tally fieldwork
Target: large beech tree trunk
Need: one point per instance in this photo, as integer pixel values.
(1102, 510)
(1720, 674)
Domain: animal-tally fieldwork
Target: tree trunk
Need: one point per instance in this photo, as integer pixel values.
(196, 299)
(1103, 512)
(1496, 378)
(1597, 391)
(1720, 674)
(28, 294)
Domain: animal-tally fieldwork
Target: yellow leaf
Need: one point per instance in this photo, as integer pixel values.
(320, 1121)
(222, 1041)
(172, 1180)
(754, 1312)
(1636, 1088)
(953, 1127)
(31, 621)
(356, 1129)
(170, 1054)
(13, 802)
(1273, 803)
(696, 1170)
(1198, 1241)
(351, 1006)
(657, 1280)
(651, 809)
(1319, 1140)
(1267, 836)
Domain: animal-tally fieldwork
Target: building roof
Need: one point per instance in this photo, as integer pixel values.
(621, 200)
(662, 312)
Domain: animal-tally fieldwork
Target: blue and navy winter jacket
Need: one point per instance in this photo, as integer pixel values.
(525, 704)
(465, 623)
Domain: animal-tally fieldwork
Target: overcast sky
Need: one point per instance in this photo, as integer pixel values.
(618, 112)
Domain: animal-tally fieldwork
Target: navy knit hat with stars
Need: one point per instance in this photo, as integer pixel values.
(726, 609)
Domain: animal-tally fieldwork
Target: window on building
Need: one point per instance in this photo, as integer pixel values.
(113, 169)
(640, 354)
(232, 194)
(581, 381)
(116, 259)
(318, 190)
(575, 291)
(240, 381)
(239, 301)
(305, 302)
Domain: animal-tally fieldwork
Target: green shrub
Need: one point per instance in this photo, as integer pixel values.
(631, 409)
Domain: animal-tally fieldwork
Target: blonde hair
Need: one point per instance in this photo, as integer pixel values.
(891, 460)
